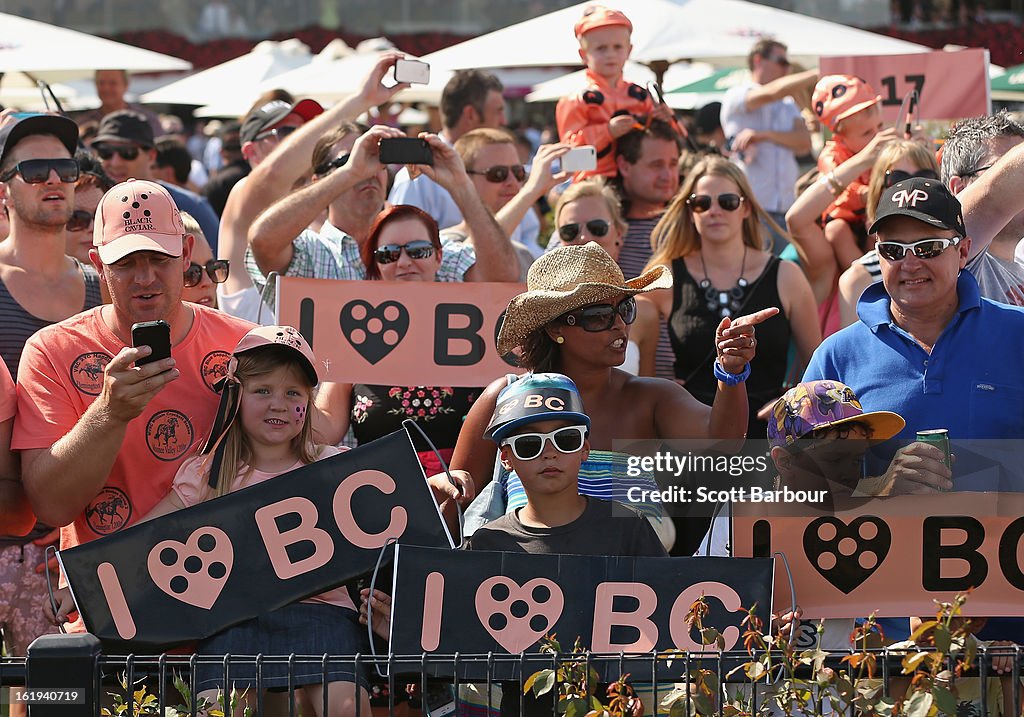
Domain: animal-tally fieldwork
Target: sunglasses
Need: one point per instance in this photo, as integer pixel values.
(106, 151)
(37, 171)
(895, 176)
(923, 249)
(700, 203)
(601, 317)
(595, 227)
(279, 132)
(80, 221)
(527, 446)
(390, 253)
(499, 173)
(330, 165)
(216, 269)
(780, 60)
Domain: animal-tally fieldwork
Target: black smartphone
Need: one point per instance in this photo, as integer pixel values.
(154, 334)
(405, 150)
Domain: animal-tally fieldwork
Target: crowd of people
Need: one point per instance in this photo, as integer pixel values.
(679, 290)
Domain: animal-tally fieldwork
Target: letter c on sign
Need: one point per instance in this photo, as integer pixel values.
(677, 619)
(346, 521)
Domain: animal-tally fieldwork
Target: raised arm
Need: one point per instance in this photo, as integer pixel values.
(538, 184)
(777, 89)
(991, 201)
(473, 452)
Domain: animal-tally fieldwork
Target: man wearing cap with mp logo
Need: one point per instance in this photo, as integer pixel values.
(927, 345)
(100, 436)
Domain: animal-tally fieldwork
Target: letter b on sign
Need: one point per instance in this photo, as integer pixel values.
(466, 337)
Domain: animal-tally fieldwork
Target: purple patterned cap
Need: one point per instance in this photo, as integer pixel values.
(810, 406)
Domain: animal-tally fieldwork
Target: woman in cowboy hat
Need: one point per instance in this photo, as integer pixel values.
(574, 319)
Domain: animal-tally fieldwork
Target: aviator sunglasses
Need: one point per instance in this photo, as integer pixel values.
(36, 171)
(571, 232)
(923, 249)
(216, 269)
(390, 253)
(700, 203)
(499, 173)
(601, 317)
(279, 132)
(527, 446)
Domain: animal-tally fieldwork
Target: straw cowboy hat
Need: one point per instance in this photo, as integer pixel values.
(566, 279)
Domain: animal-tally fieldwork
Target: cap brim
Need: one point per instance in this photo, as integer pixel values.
(850, 111)
(502, 430)
(307, 109)
(118, 139)
(884, 424)
(63, 128)
(914, 214)
(131, 243)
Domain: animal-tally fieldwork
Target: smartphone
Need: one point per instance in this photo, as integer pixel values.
(405, 150)
(156, 335)
(412, 71)
(579, 159)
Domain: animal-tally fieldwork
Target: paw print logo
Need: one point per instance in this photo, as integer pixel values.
(195, 571)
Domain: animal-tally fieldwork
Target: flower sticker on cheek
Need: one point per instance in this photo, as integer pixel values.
(300, 415)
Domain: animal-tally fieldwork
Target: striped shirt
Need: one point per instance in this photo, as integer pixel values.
(633, 257)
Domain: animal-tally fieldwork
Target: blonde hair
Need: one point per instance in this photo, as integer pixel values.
(594, 187)
(191, 225)
(888, 158)
(237, 448)
(675, 234)
(469, 145)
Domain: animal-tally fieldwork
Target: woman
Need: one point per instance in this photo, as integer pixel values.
(92, 184)
(574, 319)
(711, 236)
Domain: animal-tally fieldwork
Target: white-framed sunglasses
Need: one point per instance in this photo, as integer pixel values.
(527, 446)
(923, 249)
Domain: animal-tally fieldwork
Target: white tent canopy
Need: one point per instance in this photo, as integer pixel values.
(680, 74)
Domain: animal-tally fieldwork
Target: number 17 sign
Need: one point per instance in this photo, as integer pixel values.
(950, 85)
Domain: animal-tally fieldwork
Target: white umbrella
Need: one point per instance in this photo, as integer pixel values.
(239, 76)
(679, 74)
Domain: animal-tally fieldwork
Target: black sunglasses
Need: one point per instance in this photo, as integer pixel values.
(601, 317)
(125, 152)
(499, 173)
(923, 249)
(37, 171)
(390, 253)
(895, 176)
(331, 164)
(216, 269)
(700, 203)
(279, 132)
(595, 227)
(80, 220)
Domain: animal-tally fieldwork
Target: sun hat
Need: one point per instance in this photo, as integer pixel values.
(837, 97)
(597, 16)
(137, 215)
(536, 397)
(812, 405)
(566, 279)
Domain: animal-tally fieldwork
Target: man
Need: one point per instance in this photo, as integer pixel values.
(100, 438)
(764, 129)
(126, 146)
(111, 86)
(233, 167)
(471, 99)
(173, 163)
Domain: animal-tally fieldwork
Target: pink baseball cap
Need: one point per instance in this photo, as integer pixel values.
(836, 97)
(137, 216)
(281, 336)
(596, 16)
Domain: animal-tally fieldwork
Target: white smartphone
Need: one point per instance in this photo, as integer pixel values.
(579, 159)
(412, 71)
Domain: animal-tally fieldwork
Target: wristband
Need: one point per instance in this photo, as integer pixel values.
(731, 379)
(834, 184)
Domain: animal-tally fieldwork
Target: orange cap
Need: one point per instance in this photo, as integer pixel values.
(596, 16)
(836, 97)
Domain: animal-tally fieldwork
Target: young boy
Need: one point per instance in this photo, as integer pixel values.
(608, 107)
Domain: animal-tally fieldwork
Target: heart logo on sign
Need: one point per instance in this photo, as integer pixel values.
(374, 331)
(194, 571)
(517, 616)
(847, 555)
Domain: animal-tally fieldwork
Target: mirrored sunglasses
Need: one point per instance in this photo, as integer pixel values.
(895, 176)
(700, 203)
(390, 253)
(923, 249)
(595, 227)
(37, 171)
(125, 152)
(278, 132)
(80, 221)
(527, 446)
(601, 317)
(330, 165)
(216, 269)
(499, 173)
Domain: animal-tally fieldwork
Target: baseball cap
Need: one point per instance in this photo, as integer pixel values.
(137, 216)
(927, 200)
(813, 405)
(596, 16)
(125, 126)
(281, 336)
(61, 127)
(836, 97)
(268, 115)
(536, 397)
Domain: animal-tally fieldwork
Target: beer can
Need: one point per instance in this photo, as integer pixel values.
(939, 437)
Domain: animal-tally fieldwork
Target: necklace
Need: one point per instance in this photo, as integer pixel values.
(724, 303)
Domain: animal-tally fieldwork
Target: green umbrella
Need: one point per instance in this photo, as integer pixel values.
(1009, 85)
(715, 83)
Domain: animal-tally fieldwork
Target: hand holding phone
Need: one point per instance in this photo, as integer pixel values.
(577, 159)
(405, 150)
(156, 335)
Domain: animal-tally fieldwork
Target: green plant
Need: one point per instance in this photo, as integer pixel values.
(144, 702)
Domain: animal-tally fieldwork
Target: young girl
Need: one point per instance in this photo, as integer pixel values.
(267, 398)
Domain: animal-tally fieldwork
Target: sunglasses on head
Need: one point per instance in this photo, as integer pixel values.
(278, 132)
(923, 249)
(390, 253)
(595, 227)
(216, 269)
(895, 176)
(331, 164)
(601, 317)
(37, 171)
(126, 152)
(499, 173)
(527, 446)
(700, 203)
(80, 221)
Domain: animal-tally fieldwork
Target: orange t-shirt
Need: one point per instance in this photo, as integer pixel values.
(8, 394)
(61, 374)
(851, 202)
(583, 118)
